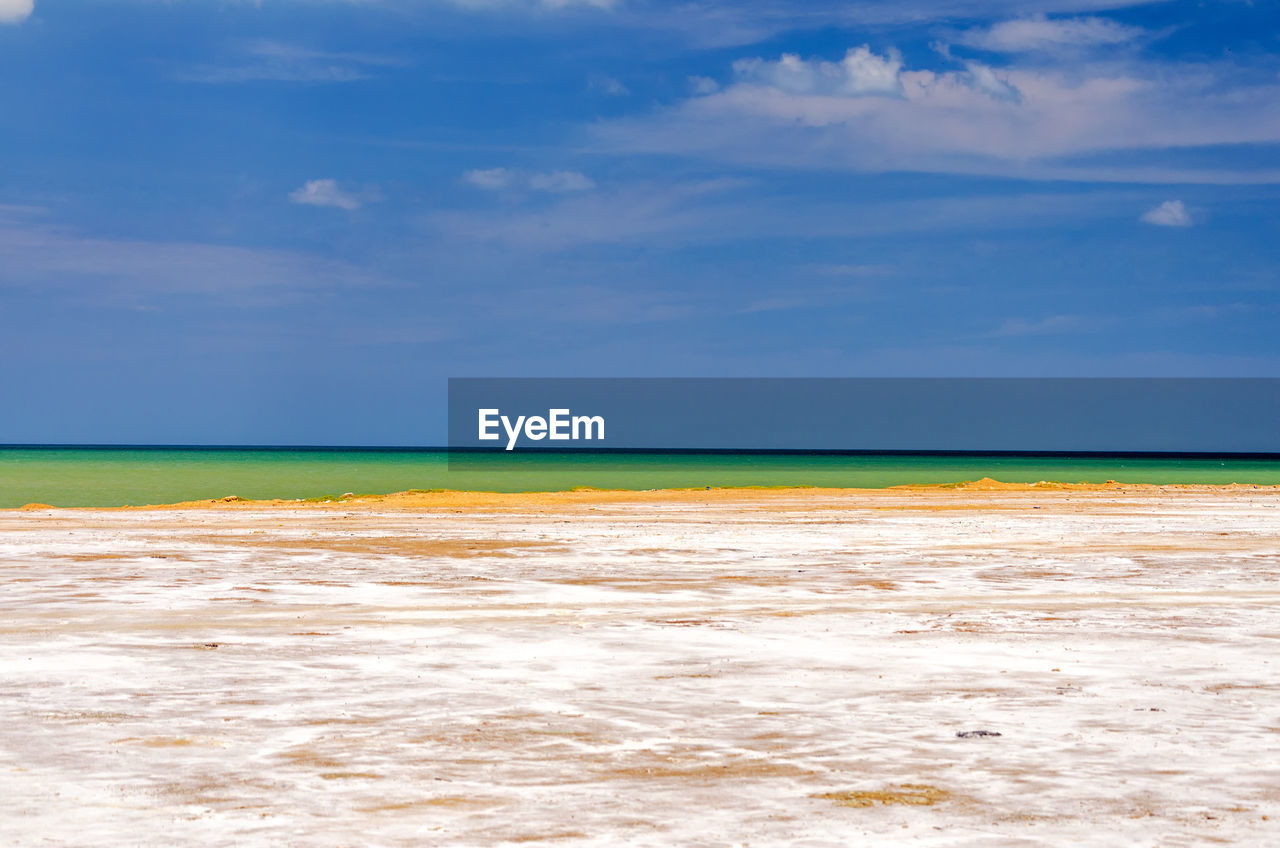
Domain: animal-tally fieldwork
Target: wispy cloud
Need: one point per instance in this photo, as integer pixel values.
(1171, 213)
(560, 182)
(12, 212)
(1039, 32)
(37, 252)
(991, 82)
(795, 296)
(607, 85)
(719, 211)
(15, 11)
(275, 61)
(325, 193)
(707, 23)
(869, 112)
(596, 305)
(703, 85)
(854, 270)
(532, 5)
(1050, 325)
(489, 179)
(1154, 317)
(622, 214)
(555, 182)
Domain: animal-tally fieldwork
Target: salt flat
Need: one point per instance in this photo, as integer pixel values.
(712, 669)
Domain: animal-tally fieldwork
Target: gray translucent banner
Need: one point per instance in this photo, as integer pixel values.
(1122, 415)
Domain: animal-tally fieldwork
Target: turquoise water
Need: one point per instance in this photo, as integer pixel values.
(115, 477)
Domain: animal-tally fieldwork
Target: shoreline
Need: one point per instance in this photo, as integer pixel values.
(587, 496)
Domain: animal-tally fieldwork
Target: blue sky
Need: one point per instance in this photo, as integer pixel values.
(289, 222)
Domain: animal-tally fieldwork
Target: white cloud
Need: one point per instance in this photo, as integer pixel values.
(703, 85)
(1171, 213)
(324, 193)
(860, 72)
(489, 179)
(555, 182)
(1042, 33)
(987, 80)
(15, 11)
(1072, 120)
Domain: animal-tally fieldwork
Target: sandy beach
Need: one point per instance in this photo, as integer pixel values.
(971, 666)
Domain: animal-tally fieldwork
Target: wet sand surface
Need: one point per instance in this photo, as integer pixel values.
(961, 667)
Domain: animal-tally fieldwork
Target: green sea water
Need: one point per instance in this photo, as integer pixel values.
(119, 476)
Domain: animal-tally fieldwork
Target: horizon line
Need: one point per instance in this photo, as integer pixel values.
(1100, 454)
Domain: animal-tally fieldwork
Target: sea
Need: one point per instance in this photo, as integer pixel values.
(98, 476)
